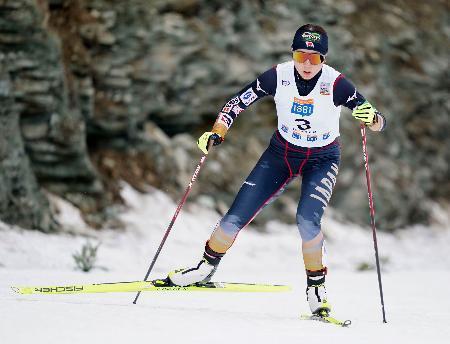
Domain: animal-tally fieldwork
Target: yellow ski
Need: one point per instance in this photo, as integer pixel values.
(156, 285)
(326, 319)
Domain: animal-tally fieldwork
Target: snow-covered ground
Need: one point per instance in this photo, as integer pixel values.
(416, 273)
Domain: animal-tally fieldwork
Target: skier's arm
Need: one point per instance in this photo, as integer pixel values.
(264, 85)
(345, 93)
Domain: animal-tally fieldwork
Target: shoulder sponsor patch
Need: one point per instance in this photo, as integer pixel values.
(248, 96)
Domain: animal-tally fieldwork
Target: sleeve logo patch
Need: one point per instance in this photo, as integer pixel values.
(248, 97)
(226, 109)
(349, 99)
(233, 101)
(237, 109)
(302, 107)
(225, 119)
(258, 87)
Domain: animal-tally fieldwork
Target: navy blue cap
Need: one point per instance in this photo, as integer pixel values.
(310, 40)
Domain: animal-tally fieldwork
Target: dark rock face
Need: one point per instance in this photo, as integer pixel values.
(21, 200)
(90, 79)
(52, 126)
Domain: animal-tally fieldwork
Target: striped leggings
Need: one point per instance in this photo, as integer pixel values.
(281, 163)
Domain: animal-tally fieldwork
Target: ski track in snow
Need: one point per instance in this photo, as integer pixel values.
(416, 271)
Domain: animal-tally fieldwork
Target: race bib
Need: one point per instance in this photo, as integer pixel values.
(302, 107)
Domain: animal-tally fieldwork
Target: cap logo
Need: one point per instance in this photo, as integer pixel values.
(309, 44)
(311, 36)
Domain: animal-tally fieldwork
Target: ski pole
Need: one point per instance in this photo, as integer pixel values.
(180, 205)
(372, 216)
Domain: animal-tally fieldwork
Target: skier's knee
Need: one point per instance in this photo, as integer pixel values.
(230, 224)
(308, 229)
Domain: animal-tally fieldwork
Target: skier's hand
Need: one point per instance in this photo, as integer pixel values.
(366, 113)
(206, 138)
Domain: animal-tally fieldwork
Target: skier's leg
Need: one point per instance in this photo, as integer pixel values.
(317, 187)
(266, 181)
(319, 179)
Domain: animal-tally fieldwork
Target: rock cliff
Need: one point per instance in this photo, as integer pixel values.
(111, 90)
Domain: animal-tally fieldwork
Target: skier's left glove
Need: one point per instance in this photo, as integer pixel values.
(206, 138)
(366, 113)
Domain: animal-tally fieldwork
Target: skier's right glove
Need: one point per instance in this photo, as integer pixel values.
(206, 138)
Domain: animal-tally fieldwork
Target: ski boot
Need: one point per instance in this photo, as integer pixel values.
(316, 293)
(201, 273)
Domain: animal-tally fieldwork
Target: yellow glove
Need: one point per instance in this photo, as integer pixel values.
(203, 141)
(366, 113)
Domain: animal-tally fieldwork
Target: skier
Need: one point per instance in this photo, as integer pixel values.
(308, 95)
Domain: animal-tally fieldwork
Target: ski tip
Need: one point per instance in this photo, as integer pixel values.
(22, 290)
(326, 319)
(16, 290)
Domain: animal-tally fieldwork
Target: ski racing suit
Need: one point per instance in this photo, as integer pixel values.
(306, 144)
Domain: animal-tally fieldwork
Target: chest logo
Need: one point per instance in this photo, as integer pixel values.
(302, 107)
(325, 88)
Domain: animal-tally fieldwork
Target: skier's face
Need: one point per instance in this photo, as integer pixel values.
(306, 69)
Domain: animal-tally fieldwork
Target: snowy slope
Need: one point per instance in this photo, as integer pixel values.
(415, 275)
